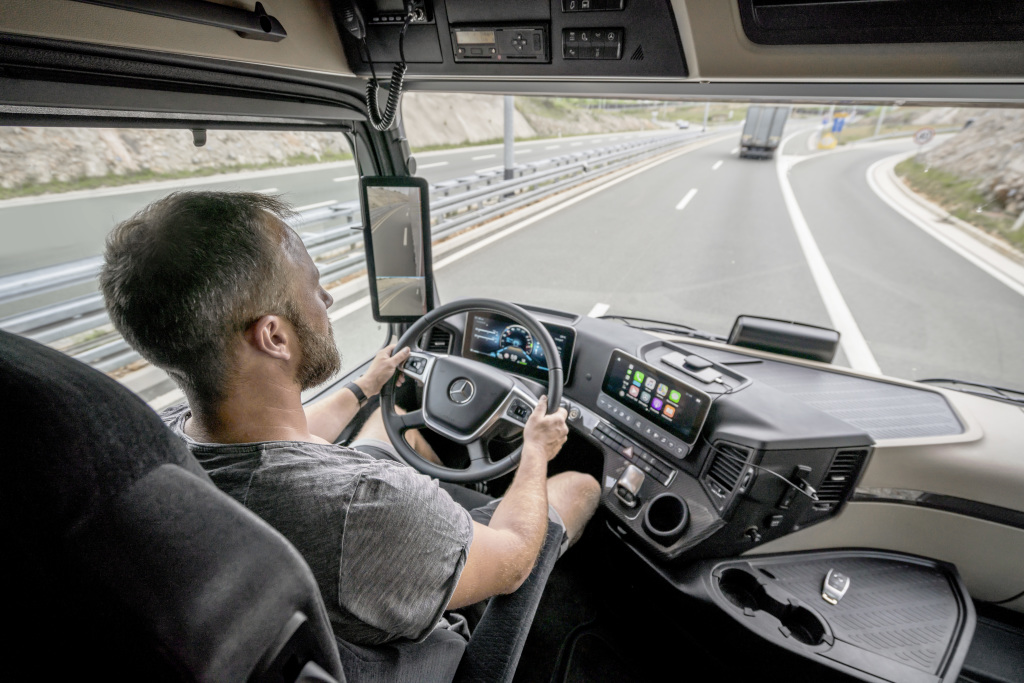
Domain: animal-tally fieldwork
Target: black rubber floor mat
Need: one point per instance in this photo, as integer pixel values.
(595, 660)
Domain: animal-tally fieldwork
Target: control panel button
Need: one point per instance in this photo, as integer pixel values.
(592, 43)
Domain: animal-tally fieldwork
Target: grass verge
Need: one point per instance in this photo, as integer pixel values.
(961, 198)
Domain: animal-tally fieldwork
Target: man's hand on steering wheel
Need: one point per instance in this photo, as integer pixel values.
(545, 434)
(382, 368)
(470, 403)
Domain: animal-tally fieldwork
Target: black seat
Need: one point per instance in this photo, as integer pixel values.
(123, 560)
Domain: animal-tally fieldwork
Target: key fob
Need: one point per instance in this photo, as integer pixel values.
(835, 587)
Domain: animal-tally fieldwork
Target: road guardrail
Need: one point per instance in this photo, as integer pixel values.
(79, 324)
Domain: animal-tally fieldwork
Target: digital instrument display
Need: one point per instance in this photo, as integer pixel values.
(655, 395)
(496, 340)
(474, 37)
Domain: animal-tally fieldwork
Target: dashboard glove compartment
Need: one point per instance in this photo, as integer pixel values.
(785, 337)
(903, 618)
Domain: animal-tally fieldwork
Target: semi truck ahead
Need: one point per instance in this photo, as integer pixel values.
(762, 131)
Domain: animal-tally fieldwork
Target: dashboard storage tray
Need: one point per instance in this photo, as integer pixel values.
(902, 618)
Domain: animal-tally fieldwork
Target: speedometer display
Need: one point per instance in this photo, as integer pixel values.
(516, 343)
(496, 340)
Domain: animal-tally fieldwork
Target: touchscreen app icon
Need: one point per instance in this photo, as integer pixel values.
(634, 391)
(670, 411)
(650, 383)
(674, 396)
(657, 403)
(645, 397)
(662, 389)
(638, 378)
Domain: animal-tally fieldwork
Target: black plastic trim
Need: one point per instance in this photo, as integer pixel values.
(954, 504)
(841, 22)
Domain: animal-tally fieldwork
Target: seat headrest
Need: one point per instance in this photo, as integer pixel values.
(73, 437)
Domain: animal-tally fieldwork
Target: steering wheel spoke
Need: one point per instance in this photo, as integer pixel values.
(419, 364)
(410, 420)
(478, 452)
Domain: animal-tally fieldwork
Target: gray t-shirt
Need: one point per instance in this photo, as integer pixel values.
(385, 543)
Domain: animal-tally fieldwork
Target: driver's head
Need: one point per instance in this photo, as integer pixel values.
(214, 288)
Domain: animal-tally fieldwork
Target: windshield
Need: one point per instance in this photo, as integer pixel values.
(898, 227)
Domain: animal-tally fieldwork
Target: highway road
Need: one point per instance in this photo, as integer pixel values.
(704, 237)
(707, 236)
(52, 229)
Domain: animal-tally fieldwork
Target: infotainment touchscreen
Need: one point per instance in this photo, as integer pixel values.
(657, 396)
(498, 341)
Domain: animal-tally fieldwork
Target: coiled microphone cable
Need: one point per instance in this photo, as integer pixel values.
(383, 120)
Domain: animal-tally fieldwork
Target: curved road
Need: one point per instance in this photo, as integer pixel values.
(706, 237)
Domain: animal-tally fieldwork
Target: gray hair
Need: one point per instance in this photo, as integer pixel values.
(188, 273)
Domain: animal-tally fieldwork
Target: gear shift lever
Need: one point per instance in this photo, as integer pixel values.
(627, 488)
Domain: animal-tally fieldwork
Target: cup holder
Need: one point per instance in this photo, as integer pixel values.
(743, 590)
(666, 517)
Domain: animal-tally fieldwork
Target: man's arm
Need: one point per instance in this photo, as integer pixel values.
(503, 553)
(328, 417)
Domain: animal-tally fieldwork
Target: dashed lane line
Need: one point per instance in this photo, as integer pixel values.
(686, 199)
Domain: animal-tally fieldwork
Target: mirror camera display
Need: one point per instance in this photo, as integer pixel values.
(398, 261)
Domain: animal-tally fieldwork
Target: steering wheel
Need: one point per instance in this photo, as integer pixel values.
(465, 400)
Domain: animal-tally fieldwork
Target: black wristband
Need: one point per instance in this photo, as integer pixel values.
(360, 396)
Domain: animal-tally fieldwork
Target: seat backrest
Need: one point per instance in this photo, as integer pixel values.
(122, 558)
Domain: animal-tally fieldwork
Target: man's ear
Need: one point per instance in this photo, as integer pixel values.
(270, 335)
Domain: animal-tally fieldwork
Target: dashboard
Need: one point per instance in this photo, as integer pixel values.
(747, 448)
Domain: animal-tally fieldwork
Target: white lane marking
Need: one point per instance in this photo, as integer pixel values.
(718, 165)
(307, 207)
(267, 191)
(345, 177)
(484, 156)
(350, 309)
(525, 151)
(971, 249)
(405, 237)
(552, 147)
(734, 150)
(555, 209)
(686, 199)
(433, 165)
(576, 144)
(598, 310)
(851, 339)
(488, 169)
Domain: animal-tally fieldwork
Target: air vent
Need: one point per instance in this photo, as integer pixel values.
(638, 54)
(727, 464)
(439, 340)
(840, 476)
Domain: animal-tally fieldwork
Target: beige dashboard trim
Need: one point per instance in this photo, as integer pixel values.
(989, 556)
(312, 43)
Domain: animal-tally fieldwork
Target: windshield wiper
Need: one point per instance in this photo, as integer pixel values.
(664, 327)
(984, 390)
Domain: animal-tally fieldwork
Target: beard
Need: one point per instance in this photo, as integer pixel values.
(320, 357)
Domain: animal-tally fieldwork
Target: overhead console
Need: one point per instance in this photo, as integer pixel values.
(525, 38)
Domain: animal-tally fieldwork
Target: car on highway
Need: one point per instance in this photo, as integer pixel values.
(799, 382)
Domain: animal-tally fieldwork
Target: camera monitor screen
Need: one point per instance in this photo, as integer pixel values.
(396, 225)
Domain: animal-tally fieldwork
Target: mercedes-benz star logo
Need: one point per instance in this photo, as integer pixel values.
(461, 390)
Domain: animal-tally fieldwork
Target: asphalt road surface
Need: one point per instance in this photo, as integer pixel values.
(48, 230)
(706, 237)
(700, 239)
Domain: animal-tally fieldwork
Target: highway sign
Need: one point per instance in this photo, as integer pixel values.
(924, 136)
